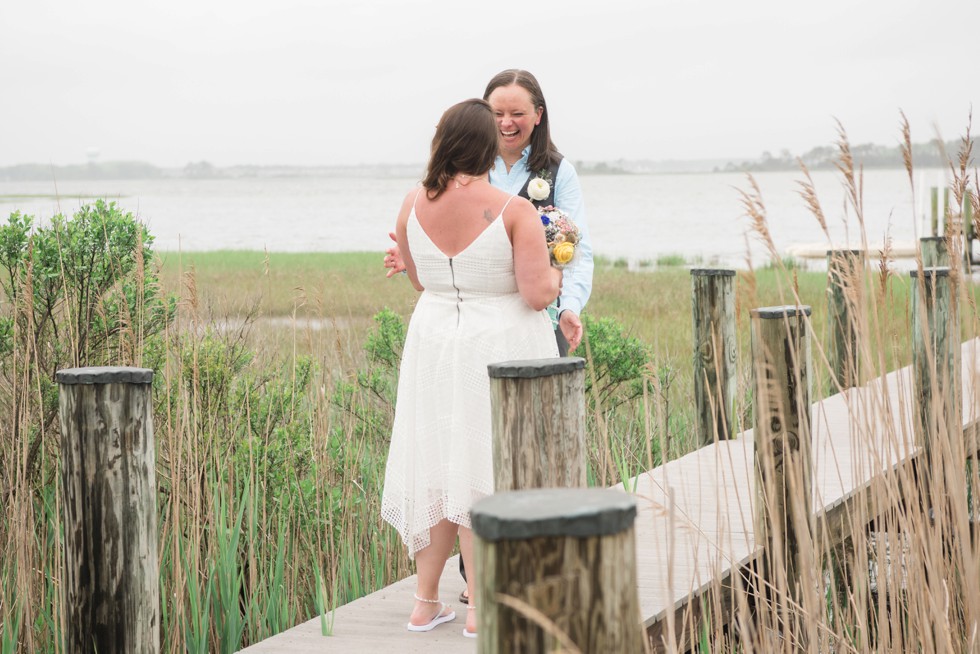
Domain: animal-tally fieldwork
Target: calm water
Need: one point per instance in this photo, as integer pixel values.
(637, 217)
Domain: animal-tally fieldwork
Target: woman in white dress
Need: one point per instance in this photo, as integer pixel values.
(479, 257)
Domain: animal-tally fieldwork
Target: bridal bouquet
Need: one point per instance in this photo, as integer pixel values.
(561, 234)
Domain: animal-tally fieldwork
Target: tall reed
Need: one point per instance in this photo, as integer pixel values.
(907, 577)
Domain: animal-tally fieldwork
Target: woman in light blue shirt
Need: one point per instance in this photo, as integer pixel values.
(526, 151)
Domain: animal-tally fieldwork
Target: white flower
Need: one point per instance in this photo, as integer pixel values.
(538, 189)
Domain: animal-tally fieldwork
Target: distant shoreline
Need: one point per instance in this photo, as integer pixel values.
(137, 171)
(932, 154)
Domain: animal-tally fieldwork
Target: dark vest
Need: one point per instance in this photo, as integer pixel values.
(550, 200)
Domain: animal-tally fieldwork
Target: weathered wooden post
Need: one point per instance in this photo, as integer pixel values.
(111, 584)
(715, 352)
(934, 215)
(557, 567)
(781, 385)
(935, 251)
(935, 359)
(845, 286)
(538, 418)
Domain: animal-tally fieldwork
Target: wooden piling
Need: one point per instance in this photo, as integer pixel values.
(111, 582)
(715, 353)
(557, 568)
(935, 251)
(934, 215)
(538, 420)
(845, 301)
(935, 358)
(781, 384)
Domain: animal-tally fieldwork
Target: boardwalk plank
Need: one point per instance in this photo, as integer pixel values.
(376, 623)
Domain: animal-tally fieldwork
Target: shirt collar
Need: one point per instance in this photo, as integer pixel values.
(525, 154)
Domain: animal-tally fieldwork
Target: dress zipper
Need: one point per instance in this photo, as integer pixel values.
(459, 298)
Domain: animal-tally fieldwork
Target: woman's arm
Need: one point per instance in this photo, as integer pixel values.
(577, 284)
(537, 282)
(401, 238)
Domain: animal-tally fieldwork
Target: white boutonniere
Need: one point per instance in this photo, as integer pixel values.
(539, 188)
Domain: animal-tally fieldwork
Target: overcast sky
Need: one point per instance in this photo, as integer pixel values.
(365, 81)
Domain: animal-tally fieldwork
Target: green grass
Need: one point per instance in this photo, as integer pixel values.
(347, 286)
(668, 260)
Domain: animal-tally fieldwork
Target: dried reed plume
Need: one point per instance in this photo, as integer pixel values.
(808, 192)
(853, 184)
(907, 151)
(755, 209)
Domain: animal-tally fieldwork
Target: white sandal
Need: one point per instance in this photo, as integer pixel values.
(467, 632)
(439, 618)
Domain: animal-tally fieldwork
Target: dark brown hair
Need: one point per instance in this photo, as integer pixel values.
(544, 153)
(465, 142)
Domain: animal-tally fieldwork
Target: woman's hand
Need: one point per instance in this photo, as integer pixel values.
(571, 328)
(393, 257)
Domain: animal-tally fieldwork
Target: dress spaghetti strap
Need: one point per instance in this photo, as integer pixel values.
(504, 208)
(417, 194)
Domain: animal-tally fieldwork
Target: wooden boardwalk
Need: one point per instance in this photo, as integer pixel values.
(694, 521)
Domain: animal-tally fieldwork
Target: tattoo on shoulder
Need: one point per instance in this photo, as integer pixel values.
(487, 216)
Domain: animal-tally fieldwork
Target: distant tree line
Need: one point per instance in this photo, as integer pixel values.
(933, 154)
(602, 168)
(92, 170)
(193, 170)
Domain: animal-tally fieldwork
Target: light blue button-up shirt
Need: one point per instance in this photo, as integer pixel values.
(577, 280)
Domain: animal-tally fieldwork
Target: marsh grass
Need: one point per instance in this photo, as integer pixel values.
(907, 578)
(669, 260)
(272, 404)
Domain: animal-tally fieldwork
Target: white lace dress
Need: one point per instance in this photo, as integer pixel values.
(470, 315)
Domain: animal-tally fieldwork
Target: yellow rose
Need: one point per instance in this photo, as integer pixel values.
(563, 253)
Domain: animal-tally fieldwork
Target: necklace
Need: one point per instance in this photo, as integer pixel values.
(467, 179)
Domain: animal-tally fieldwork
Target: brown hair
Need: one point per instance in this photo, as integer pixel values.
(544, 153)
(465, 142)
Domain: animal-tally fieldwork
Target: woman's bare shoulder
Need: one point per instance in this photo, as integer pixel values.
(409, 201)
(413, 193)
(519, 209)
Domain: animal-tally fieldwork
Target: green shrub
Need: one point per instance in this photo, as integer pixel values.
(78, 292)
(370, 397)
(617, 361)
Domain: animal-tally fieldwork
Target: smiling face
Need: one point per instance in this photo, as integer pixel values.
(516, 118)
